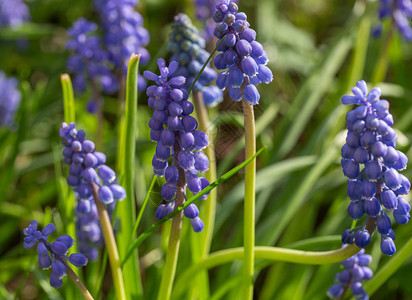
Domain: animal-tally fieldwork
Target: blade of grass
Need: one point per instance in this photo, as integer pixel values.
(127, 208)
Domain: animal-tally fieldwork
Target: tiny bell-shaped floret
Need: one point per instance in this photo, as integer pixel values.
(348, 236)
(58, 268)
(388, 246)
(59, 248)
(55, 281)
(362, 238)
(197, 224)
(78, 259)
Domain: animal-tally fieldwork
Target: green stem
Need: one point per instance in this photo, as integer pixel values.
(68, 98)
(142, 209)
(69, 117)
(263, 252)
(174, 238)
(77, 281)
(71, 274)
(127, 208)
(110, 244)
(203, 192)
(210, 204)
(390, 267)
(249, 205)
(382, 63)
(201, 241)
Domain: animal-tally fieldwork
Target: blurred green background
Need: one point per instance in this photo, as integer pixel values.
(317, 50)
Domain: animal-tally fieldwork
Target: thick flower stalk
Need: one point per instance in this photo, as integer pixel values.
(13, 13)
(375, 189)
(87, 166)
(174, 131)
(188, 50)
(10, 98)
(243, 59)
(124, 33)
(354, 273)
(400, 12)
(89, 62)
(53, 254)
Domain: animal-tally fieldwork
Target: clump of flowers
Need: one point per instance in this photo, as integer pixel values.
(53, 254)
(188, 50)
(243, 58)
(175, 132)
(96, 60)
(89, 62)
(400, 11)
(377, 188)
(87, 167)
(10, 98)
(354, 273)
(124, 33)
(13, 13)
(204, 13)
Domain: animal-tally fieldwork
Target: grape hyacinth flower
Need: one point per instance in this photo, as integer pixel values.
(400, 11)
(53, 254)
(124, 33)
(13, 13)
(10, 98)
(177, 137)
(204, 13)
(355, 271)
(242, 56)
(87, 166)
(89, 62)
(188, 50)
(377, 188)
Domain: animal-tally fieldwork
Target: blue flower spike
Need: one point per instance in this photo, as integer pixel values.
(10, 98)
(124, 33)
(86, 165)
(400, 12)
(354, 272)
(89, 61)
(179, 143)
(372, 164)
(13, 13)
(242, 59)
(188, 49)
(52, 255)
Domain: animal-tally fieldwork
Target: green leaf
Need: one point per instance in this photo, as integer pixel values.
(127, 208)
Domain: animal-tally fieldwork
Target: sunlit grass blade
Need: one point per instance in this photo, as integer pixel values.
(206, 190)
(127, 208)
(142, 209)
(68, 98)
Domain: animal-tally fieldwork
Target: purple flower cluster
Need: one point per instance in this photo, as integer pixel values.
(89, 62)
(87, 166)
(177, 137)
(400, 11)
(124, 33)
(188, 50)
(10, 98)
(355, 271)
(54, 254)
(371, 142)
(244, 57)
(204, 12)
(13, 13)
